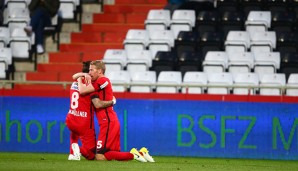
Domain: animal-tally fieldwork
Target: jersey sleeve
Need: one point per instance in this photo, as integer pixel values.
(100, 83)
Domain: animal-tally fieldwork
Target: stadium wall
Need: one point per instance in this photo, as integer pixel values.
(169, 125)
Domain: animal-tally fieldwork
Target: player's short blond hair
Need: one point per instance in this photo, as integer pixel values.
(99, 64)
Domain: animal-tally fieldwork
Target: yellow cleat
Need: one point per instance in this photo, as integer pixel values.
(146, 154)
(137, 155)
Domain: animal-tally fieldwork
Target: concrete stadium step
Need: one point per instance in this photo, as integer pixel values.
(119, 18)
(131, 8)
(74, 57)
(48, 87)
(42, 76)
(60, 57)
(110, 27)
(141, 1)
(104, 37)
(89, 47)
(59, 67)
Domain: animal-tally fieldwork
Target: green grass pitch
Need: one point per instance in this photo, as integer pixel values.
(59, 162)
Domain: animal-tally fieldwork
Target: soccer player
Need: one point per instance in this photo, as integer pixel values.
(80, 120)
(108, 141)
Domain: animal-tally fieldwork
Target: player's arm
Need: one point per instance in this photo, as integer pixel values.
(102, 104)
(77, 75)
(85, 88)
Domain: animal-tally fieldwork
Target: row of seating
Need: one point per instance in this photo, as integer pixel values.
(195, 82)
(15, 44)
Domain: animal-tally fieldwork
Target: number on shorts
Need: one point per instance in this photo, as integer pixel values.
(99, 144)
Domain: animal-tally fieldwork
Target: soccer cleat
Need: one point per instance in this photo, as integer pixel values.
(73, 157)
(146, 154)
(137, 155)
(76, 150)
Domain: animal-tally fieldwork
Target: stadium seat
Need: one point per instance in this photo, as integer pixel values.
(240, 62)
(244, 81)
(292, 82)
(158, 19)
(231, 21)
(215, 61)
(207, 21)
(283, 21)
(194, 78)
(211, 41)
(266, 62)
(263, 41)
(168, 82)
(250, 5)
(272, 84)
(16, 18)
(2, 70)
(143, 77)
(237, 41)
(277, 5)
(67, 9)
(120, 80)
(138, 60)
(289, 63)
(20, 44)
(258, 21)
(182, 20)
(6, 56)
(115, 59)
(136, 39)
(160, 40)
(186, 41)
(164, 61)
(4, 36)
(189, 61)
(220, 83)
(9, 4)
(227, 5)
(286, 41)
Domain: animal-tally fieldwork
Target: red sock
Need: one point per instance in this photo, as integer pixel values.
(117, 155)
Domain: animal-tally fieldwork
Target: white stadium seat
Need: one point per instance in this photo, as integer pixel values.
(142, 77)
(20, 44)
(237, 41)
(136, 39)
(160, 40)
(138, 60)
(240, 62)
(246, 80)
(115, 59)
(292, 81)
(215, 61)
(263, 41)
(119, 77)
(221, 83)
(4, 36)
(158, 19)
(182, 20)
(169, 79)
(194, 78)
(258, 21)
(271, 80)
(266, 62)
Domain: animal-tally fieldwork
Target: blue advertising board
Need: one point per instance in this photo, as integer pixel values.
(195, 128)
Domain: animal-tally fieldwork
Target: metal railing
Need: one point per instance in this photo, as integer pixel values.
(64, 84)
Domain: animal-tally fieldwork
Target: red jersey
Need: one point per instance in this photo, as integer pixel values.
(81, 108)
(104, 89)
